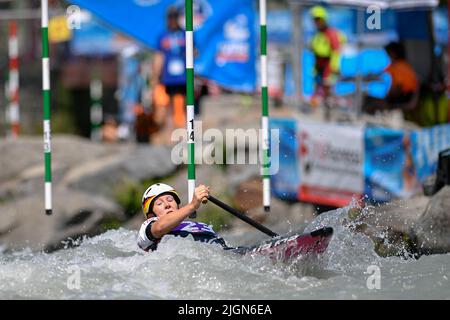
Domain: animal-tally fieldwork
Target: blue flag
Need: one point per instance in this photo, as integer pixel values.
(224, 33)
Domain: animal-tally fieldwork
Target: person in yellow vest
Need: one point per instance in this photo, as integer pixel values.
(326, 46)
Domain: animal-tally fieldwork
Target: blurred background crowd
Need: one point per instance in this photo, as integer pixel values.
(111, 81)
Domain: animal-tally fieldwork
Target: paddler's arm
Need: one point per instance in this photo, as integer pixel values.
(169, 221)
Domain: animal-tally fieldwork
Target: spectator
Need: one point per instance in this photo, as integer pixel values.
(326, 46)
(404, 89)
(109, 129)
(169, 70)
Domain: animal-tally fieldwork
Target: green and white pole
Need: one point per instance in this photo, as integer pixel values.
(190, 97)
(96, 114)
(46, 98)
(265, 106)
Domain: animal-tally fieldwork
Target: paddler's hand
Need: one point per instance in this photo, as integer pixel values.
(200, 193)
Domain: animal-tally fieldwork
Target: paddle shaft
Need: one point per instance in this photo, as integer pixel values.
(241, 216)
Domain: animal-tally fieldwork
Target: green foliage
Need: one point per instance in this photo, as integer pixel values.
(109, 224)
(128, 195)
(63, 122)
(215, 216)
(63, 116)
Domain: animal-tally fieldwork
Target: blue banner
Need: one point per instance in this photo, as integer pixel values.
(383, 163)
(227, 45)
(95, 39)
(286, 182)
(279, 26)
(425, 147)
(224, 35)
(440, 19)
(396, 162)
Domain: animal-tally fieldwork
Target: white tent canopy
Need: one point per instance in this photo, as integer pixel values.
(383, 4)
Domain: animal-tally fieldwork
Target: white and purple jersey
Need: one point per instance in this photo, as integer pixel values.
(200, 232)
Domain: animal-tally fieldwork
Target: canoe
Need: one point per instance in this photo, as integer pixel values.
(291, 246)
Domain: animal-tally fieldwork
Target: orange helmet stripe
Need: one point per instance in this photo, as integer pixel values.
(146, 204)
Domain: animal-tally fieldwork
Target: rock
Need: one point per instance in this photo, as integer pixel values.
(23, 161)
(135, 222)
(239, 174)
(101, 175)
(85, 175)
(433, 227)
(78, 163)
(399, 215)
(24, 224)
(420, 225)
(19, 154)
(248, 194)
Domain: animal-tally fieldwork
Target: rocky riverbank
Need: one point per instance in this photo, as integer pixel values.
(87, 177)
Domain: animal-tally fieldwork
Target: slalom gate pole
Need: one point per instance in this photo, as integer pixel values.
(46, 100)
(190, 98)
(265, 106)
(96, 114)
(13, 53)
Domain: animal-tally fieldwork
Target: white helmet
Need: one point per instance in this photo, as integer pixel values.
(153, 192)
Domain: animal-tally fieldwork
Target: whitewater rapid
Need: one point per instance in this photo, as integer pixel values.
(111, 266)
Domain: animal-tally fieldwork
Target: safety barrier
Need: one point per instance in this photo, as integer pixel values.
(333, 164)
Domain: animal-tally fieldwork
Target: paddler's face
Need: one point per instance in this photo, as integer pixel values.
(164, 204)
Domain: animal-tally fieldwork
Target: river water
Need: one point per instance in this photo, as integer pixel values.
(110, 266)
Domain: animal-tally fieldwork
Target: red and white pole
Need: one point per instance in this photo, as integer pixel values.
(13, 49)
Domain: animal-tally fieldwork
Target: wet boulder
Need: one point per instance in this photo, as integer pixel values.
(78, 163)
(24, 223)
(87, 178)
(433, 227)
(416, 226)
(131, 164)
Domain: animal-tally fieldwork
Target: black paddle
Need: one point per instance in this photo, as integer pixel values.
(241, 216)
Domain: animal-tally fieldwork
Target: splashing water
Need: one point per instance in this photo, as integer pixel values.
(111, 266)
